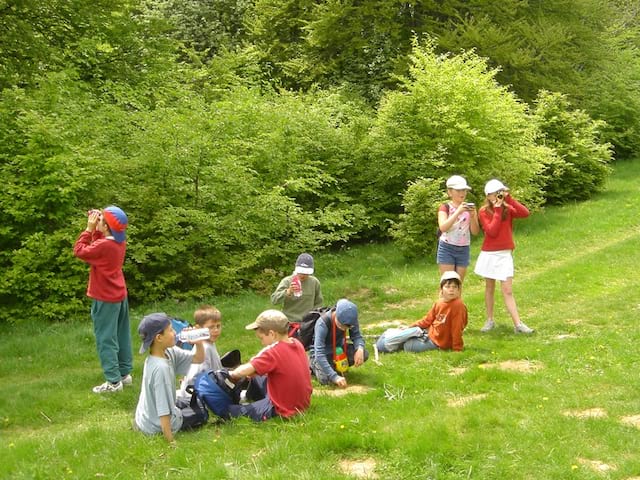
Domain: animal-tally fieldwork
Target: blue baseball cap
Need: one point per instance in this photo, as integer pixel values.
(150, 326)
(347, 313)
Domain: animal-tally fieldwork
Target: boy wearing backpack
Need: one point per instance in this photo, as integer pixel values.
(283, 369)
(157, 411)
(330, 334)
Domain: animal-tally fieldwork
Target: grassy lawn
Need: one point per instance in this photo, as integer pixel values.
(562, 403)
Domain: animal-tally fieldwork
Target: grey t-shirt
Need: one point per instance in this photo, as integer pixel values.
(158, 391)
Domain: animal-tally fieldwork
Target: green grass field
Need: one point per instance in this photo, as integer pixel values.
(561, 404)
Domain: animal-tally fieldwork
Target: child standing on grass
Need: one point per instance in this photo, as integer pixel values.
(285, 379)
(299, 292)
(102, 245)
(440, 329)
(206, 316)
(495, 261)
(457, 220)
(157, 410)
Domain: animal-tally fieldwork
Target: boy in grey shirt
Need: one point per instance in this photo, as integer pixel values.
(157, 411)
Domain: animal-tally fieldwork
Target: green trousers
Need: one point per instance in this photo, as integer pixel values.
(113, 338)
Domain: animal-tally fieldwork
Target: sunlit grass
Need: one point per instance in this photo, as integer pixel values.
(506, 407)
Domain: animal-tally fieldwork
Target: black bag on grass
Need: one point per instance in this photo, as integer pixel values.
(304, 330)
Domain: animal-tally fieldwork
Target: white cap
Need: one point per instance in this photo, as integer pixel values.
(494, 186)
(449, 275)
(457, 183)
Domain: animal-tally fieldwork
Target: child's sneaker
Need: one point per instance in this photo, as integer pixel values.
(108, 387)
(522, 328)
(488, 325)
(127, 380)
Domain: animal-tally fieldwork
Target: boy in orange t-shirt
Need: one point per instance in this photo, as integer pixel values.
(440, 329)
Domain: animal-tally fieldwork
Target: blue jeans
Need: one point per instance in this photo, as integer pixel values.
(458, 256)
(393, 339)
(417, 345)
(259, 410)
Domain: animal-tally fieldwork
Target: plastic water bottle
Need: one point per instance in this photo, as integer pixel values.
(297, 286)
(341, 361)
(193, 335)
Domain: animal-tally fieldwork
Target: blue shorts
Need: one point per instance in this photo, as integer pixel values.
(453, 255)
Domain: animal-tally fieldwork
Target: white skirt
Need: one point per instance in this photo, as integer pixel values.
(495, 265)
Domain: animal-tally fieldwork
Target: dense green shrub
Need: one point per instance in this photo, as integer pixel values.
(450, 118)
(415, 231)
(218, 194)
(581, 164)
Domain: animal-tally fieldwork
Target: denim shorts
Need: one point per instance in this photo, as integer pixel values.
(458, 256)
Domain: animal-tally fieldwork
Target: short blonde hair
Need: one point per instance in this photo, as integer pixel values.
(206, 313)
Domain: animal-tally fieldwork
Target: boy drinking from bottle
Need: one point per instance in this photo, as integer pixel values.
(157, 411)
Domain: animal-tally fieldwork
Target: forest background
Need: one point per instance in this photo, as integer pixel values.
(236, 134)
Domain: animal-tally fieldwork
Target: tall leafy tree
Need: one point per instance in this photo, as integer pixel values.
(102, 40)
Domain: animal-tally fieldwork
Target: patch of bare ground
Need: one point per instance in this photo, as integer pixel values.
(384, 324)
(597, 465)
(462, 401)
(411, 303)
(364, 468)
(339, 392)
(632, 420)
(360, 294)
(522, 366)
(565, 336)
(588, 413)
(457, 371)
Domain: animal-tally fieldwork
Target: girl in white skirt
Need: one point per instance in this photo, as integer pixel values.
(495, 261)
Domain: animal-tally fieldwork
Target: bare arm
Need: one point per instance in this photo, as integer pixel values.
(244, 370)
(165, 425)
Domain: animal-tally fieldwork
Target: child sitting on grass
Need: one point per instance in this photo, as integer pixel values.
(206, 316)
(285, 379)
(157, 411)
(440, 329)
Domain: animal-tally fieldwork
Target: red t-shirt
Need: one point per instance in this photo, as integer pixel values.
(288, 376)
(106, 257)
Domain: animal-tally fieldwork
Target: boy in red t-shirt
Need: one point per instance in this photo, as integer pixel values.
(283, 367)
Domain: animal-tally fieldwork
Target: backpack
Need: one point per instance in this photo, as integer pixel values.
(216, 391)
(304, 330)
(194, 414)
(178, 325)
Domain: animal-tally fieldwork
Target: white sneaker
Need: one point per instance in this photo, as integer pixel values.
(488, 325)
(522, 328)
(108, 387)
(127, 380)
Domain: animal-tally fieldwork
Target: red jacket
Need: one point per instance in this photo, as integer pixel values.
(498, 233)
(106, 257)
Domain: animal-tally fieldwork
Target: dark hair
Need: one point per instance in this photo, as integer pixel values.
(451, 280)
